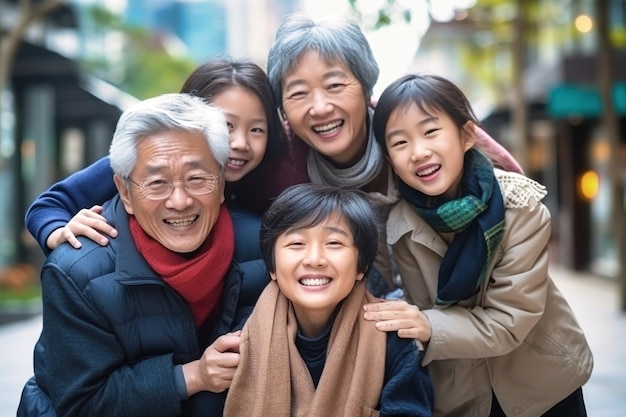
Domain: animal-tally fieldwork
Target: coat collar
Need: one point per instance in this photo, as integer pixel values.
(130, 267)
(404, 219)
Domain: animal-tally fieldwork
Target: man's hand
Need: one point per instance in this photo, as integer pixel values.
(215, 370)
(399, 316)
(87, 222)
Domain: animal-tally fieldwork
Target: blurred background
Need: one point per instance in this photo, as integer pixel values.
(547, 79)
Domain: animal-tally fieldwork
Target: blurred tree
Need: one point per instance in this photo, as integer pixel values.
(146, 68)
(29, 13)
(497, 56)
(518, 100)
(606, 68)
(390, 11)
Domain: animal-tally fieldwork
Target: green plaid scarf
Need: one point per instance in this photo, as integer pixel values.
(476, 218)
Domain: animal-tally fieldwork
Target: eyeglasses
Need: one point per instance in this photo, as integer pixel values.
(160, 189)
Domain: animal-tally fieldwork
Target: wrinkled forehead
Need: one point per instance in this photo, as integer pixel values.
(175, 150)
(329, 57)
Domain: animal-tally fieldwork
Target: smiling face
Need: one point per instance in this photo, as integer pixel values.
(180, 222)
(326, 107)
(426, 150)
(248, 127)
(316, 268)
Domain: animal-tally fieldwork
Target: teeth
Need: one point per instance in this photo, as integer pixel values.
(181, 222)
(315, 282)
(328, 128)
(237, 162)
(428, 171)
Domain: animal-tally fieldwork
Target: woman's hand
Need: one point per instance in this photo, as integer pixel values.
(87, 222)
(399, 316)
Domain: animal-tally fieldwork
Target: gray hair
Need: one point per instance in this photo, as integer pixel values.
(167, 112)
(338, 39)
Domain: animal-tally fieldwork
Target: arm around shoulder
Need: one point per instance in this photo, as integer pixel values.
(55, 207)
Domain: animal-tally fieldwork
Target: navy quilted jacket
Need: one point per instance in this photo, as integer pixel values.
(113, 331)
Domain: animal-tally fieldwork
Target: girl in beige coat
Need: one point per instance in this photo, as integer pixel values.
(471, 244)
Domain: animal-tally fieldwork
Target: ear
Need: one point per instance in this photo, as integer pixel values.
(468, 135)
(273, 276)
(360, 276)
(123, 189)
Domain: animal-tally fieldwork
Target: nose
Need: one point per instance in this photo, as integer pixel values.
(320, 104)
(179, 199)
(420, 150)
(238, 140)
(314, 256)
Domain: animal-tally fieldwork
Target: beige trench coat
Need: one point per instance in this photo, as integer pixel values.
(517, 336)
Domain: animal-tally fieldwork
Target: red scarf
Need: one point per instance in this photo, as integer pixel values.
(199, 279)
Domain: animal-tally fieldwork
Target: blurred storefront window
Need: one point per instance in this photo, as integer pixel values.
(603, 246)
(8, 245)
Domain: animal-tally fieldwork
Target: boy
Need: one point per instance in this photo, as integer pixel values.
(306, 349)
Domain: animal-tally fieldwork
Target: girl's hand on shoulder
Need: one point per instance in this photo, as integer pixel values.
(87, 222)
(399, 316)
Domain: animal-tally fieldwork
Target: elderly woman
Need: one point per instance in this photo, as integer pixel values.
(323, 74)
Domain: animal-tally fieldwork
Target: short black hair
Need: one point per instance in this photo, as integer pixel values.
(429, 93)
(307, 205)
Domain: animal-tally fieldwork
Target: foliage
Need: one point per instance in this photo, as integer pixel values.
(391, 11)
(488, 50)
(18, 282)
(618, 37)
(146, 68)
(149, 73)
(7, 295)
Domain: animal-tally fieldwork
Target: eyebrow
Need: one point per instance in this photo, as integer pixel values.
(334, 229)
(238, 117)
(332, 73)
(422, 122)
(260, 120)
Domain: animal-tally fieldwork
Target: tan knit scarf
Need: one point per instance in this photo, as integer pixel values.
(273, 380)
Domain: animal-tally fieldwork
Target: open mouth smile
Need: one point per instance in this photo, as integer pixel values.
(328, 129)
(428, 171)
(314, 282)
(181, 222)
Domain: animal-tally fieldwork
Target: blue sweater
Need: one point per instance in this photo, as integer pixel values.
(56, 206)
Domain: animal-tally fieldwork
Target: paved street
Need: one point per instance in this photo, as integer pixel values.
(594, 300)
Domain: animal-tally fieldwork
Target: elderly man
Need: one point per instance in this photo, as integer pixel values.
(126, 326)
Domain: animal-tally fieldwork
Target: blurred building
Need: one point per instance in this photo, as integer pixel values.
(55, 119)
(213, 27)
(200, 26)
(565, 140)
